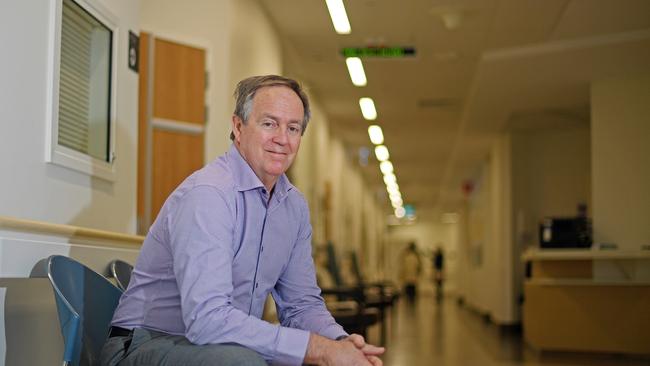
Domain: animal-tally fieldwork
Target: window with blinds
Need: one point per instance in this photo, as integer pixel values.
(85, 83)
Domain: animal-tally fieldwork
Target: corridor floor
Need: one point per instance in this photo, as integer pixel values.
(446, 334)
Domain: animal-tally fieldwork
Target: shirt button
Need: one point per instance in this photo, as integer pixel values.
(257, 285)
(262, 249)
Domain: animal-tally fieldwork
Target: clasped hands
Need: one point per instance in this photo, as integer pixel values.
(352, 350)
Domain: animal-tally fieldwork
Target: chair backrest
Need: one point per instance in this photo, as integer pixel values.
(85, 302)
(121, 271)
(332, 264)
(356, 269)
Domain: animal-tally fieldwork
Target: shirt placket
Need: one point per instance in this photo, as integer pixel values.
(260, 249)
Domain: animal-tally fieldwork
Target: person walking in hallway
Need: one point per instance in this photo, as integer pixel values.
(438, 271)
(230, 234)
(410, 270)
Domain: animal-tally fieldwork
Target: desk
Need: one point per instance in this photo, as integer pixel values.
(588, 300)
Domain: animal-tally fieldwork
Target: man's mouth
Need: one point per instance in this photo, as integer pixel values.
(276, 153)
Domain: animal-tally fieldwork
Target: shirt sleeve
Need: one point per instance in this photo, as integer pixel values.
(297, 294)
(201, 231)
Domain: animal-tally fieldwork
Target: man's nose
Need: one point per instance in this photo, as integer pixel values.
(281, 135)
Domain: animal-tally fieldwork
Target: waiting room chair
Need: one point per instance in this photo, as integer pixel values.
(344, 303)
(380, 296)
(121, 272)
(85, 303)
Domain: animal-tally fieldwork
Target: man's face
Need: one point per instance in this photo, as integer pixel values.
(271, 138)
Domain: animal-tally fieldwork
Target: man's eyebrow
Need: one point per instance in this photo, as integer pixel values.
(276, 118)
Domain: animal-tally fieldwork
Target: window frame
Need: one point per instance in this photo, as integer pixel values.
(54, 152)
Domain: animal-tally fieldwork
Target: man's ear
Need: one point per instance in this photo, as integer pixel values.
(236, 127)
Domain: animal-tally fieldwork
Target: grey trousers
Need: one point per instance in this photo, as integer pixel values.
(149, 348)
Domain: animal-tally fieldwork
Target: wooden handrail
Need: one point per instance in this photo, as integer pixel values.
(67, 230)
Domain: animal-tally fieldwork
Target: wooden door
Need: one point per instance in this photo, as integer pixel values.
(171, 121)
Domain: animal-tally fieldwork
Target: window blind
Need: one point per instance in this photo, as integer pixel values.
(74, 87)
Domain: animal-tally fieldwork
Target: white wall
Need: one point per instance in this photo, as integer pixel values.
(31, 188)
(486, 259)
(255, 47)
(478, 248)
(620, 138)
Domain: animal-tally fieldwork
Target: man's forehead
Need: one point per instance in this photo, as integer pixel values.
(275, 89)
(279, 95)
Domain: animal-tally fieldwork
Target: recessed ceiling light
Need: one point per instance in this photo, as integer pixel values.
(376, 135)
(368, 108)
(339, 16)
(381, 152)
(393, 189)
(390, 178)
(355, 69)
(386, 167)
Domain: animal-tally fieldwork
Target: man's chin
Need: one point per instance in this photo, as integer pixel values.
(277, 170)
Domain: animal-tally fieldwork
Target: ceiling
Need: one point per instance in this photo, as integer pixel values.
(507, 64)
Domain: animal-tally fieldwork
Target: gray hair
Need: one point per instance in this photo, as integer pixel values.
(246, 89)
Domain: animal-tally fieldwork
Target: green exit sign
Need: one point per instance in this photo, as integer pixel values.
(385, 52)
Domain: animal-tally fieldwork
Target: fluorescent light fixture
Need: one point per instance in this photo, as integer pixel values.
(400, 212)
(397, 202)
(376, 135)
(355, 69)
(381, 152)
(339, 16)
(390, 178)
(386, 167)
(395, 196)
(393, 185)
(368, 108)
(393, 189)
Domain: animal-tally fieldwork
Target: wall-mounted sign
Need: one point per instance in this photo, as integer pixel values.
(134, 48)
(385, 52)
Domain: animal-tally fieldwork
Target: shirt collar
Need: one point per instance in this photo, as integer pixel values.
(245, 179)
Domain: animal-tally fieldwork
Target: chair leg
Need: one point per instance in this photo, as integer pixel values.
(382, 318)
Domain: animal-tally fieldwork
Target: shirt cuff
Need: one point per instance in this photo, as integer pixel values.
(334, 331)
(292, 346)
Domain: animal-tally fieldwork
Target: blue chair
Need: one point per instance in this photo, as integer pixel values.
(85, 302)
(121, 272)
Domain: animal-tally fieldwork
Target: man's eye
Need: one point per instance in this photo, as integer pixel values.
(295, 129)
(268, 124)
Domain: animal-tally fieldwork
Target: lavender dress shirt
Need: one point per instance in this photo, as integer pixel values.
(218, 247)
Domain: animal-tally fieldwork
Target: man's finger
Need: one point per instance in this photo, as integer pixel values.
(357, 340)
(375, 361)
(369, 349)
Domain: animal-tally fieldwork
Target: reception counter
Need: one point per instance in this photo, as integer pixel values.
(587, 300)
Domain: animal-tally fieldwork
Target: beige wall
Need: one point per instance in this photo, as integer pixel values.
(620, 139)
